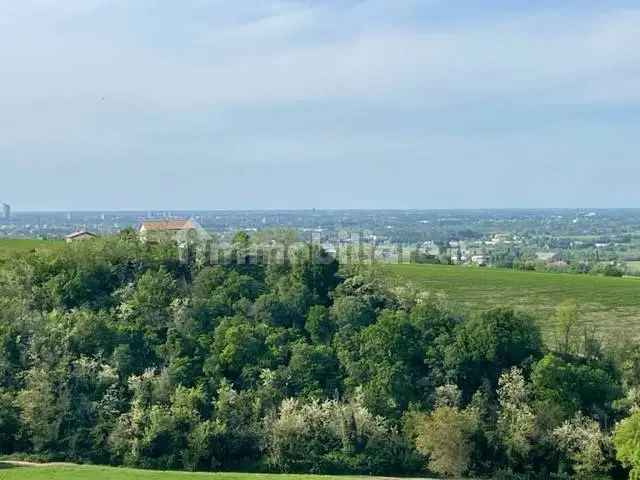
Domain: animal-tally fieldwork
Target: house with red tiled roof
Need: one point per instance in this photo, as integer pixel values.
(165, 230)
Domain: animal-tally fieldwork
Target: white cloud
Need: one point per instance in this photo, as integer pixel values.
(273, 58)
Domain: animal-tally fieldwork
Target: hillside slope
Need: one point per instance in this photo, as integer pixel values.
(611, 304)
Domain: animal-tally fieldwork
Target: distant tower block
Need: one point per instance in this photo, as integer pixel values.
(6, 211)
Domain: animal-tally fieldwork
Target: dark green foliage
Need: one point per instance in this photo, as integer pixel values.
(489, 343)
(317, 271)
(238, 349)
(353, 312)
(576, 385)
(320, 325)
(313, 371)
(390, 364)
(9, 422)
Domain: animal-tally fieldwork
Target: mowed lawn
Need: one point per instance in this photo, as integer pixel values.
(108, 473)
(611, 304)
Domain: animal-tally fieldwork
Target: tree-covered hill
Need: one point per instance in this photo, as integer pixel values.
(117, 352)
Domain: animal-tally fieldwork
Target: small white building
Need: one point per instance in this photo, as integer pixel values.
(547, 257)
(480, 260)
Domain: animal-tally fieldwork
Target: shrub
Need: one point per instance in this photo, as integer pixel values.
(584, 444)
(446, 437)
(334, 437)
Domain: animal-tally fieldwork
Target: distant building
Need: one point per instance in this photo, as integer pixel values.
(547, 257)
(500, 238)
(79, 236)
(6, 211)
(558, 266)
(431, 248)
(480, 260)
(165, 230)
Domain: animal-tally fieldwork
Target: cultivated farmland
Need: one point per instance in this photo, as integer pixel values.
(611, 304)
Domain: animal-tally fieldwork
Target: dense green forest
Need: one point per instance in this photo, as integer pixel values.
(117, 352)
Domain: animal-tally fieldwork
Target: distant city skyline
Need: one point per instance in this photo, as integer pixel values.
(271, 104)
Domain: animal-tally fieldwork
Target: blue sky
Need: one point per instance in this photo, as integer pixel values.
(252, 104)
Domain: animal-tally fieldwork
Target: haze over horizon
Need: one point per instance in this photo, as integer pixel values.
(177, 212)
(114, 105)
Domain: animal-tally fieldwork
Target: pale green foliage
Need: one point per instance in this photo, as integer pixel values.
(87, 369)
(315, 434)
(516, 420)
(584, 443)
(626, 440)
(237, 424)
(446, 437)
(633, 399)
(50, 409)
(199, 445)
(631, 366)
(146, 304)
(566, 319)
(448, 395)
(298, 430)
(41, 411)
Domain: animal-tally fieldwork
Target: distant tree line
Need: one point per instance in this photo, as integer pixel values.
(116, 352)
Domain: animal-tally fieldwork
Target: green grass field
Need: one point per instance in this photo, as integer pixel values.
(106, 473)
(611, 304)
(10, 247)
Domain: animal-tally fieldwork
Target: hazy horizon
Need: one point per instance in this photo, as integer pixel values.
(173, 211)
(292, 104)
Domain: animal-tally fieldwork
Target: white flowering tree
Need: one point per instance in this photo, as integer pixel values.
(584, 444)
(516, 420)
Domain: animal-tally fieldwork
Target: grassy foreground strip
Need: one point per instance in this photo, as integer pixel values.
(612, 304)
(81, 472)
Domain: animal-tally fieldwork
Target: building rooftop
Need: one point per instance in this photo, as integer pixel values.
(166, 225)
(80, 233)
